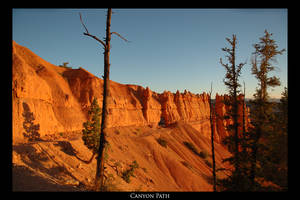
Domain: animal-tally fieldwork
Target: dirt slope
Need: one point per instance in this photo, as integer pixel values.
(59, 165)
(55, 100)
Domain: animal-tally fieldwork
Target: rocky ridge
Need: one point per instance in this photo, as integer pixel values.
(60, 97)
(51, 103)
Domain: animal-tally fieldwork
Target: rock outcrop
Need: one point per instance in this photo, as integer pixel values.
(59, 99)
(41, 87)
(221, 111)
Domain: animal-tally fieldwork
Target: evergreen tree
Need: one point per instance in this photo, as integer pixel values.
(280, 152)
(274, 163)
(92, 128)
(231, 81)
(262, 114)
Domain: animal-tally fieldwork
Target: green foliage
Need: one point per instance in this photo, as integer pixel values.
(162, 142)
(92, 128)
(231, 81)
(191, 147)
(107, 147)
(265, 53)
(261, 158)
(267, 136)
(134, 164)
(130, 172)
(186, 164)
(232, 71)
(203, 154)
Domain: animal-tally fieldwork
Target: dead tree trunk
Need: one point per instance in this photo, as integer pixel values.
(100, 161)
(244, 120)
(100, 158)
(212, 141)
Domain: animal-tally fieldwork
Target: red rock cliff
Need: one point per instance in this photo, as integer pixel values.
(221, 110)
(60, 97)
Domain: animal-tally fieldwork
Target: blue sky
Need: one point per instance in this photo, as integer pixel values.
(169, 49)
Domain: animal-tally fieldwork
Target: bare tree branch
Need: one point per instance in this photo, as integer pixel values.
(95, 38)
(83, 23)
(88, 34)
(120, 36)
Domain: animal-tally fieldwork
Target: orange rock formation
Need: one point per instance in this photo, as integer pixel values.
(56, 100)
(60, 97)
(222, 122)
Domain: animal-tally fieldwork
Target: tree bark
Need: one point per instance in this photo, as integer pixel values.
(100, 158)
(212, 142)
(235, 108)
(100, 161)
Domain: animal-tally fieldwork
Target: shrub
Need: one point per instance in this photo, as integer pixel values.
(134, 165)
(191, 147)
(145, 169)
(186, 164)
(162, 142)
(64, 65)
(208, 163)
(203, 154)
(129, 172)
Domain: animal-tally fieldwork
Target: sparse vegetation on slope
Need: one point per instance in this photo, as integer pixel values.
(162, 142)
(130, 172)
(203, 154)
(149, 168)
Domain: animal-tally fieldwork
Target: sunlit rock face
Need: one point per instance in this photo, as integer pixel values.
(59, 99)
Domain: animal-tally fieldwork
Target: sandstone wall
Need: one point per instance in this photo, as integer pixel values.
(221, 111)
(59, 99)
(39, 85)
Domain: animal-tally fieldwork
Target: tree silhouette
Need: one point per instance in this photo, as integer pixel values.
(31, 129)
(262, 113)
(231, 81)
(212, 139)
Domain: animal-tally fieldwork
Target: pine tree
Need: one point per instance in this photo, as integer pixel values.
(273, 160)
(92, 128)
(231, 81)
(280, 143)
(262, 113)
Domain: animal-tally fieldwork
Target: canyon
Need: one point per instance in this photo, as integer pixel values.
(57, 100)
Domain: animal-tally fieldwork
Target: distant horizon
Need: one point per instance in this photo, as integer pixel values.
(169, 49)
